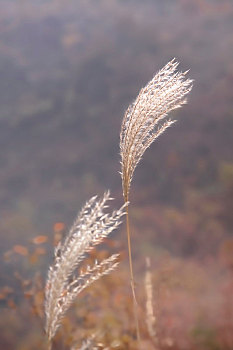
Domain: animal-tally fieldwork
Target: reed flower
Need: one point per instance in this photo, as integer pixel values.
(145, 119)
(91, 226)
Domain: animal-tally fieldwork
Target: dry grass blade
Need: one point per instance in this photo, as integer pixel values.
(144, 120)
(90, 228)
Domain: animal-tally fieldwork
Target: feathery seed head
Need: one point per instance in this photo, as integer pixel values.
(144, 119)
(91, 226)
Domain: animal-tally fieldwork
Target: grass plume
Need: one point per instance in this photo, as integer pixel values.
(91, 226)
(144, 121)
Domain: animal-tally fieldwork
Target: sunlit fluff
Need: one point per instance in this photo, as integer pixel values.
(90, 227)
(145, 119)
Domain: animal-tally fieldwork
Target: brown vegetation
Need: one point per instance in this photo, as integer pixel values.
(68, 71)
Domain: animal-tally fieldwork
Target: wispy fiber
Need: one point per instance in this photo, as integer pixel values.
(63, 285)
(145, 119)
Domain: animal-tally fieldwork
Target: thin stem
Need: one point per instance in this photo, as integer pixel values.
(132, 283)
(50, 345)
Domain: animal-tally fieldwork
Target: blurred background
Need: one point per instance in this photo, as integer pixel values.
(68, 71)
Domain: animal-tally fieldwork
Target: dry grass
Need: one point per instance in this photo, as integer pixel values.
(144, 121)
(63, 285)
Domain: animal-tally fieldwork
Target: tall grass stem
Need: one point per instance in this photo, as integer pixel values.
(132, 282)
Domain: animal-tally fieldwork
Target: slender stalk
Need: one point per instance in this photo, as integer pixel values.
(132, 283)
(50, 345)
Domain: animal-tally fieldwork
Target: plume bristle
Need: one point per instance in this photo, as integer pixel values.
(142, 121)
(90, 228)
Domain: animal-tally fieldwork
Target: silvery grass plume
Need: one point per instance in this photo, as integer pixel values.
(145, 119)
(63, 285)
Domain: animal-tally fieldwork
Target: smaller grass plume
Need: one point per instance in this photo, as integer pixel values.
(63, 285)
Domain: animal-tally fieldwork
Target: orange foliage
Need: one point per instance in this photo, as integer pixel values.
(21, 250)
(11, 304)
(58, 227)
(226, 252)
(40, 239)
